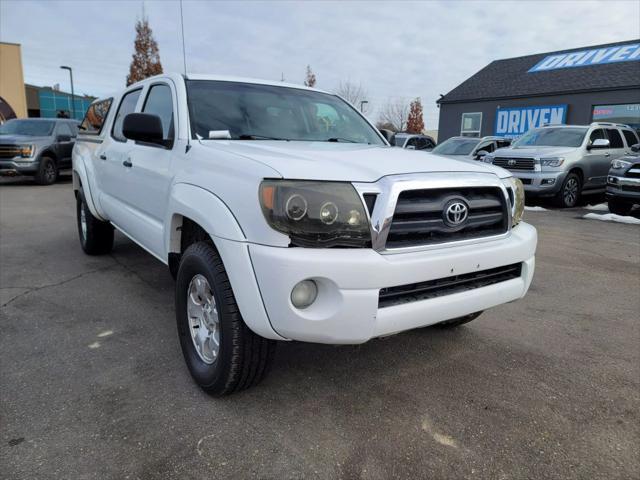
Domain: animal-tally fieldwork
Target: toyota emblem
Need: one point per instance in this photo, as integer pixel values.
(512, 162)
(455, 213)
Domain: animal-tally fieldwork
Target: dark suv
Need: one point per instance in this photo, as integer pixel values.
(623, 182)
(38, 147)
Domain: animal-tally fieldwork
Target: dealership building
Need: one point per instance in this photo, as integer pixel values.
(506, 98)
(19, 100)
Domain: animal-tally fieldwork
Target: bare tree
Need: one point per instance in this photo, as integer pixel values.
(354, 94)
(396, 113)
(310, 81)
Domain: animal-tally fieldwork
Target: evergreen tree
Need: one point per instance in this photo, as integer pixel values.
(415, 122)
(146, 58)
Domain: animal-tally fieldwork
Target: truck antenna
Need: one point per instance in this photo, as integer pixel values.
(184, 62)
(184, 55)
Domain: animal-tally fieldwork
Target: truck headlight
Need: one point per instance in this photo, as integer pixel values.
(516, 197)
(316, 214)
(619, 164)
(552, 161)
(26, 151)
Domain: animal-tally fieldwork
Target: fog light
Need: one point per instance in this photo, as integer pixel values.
(304, 294)
(548, 181)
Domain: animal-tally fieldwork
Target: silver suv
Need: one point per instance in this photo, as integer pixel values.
(564, 161)
(470, 148)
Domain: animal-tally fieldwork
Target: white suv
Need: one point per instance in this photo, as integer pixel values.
(284, 214)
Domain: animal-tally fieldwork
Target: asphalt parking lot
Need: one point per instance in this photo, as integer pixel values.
(93, 384)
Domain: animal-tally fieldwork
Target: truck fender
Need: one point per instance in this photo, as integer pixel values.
(202, 207)
(81, 182)
(212, 214)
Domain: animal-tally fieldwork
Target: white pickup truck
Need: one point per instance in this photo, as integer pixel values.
(283, 214)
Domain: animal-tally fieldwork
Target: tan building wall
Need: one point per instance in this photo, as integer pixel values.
(12, 79)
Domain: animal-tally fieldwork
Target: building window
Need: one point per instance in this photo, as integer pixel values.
(628, 114)
(471, 124)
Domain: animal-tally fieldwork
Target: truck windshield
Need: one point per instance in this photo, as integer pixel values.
(552, 137)
(245, 111)
(456, 146)
(30, 128)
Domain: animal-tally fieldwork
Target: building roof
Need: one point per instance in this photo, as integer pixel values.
(510, 78)
(60, 92)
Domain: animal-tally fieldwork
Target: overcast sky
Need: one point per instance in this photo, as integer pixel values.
(395, 49)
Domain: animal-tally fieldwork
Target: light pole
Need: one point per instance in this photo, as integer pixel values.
(362, 102)
(73, 97)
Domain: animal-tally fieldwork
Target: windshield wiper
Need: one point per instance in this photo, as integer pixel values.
(249, 136)
(340, 139)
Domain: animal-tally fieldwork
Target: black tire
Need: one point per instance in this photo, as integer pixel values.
(456, 322)
(620, 207)
(570, 192)
(243, 358)
(97, 236)
(47, 171)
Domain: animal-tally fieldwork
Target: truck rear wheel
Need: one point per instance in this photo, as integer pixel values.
(223, 355)
(456, 322)
(96, 236)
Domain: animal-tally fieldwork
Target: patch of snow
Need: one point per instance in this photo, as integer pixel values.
(601, 207)
(535, 209)
(612, 217)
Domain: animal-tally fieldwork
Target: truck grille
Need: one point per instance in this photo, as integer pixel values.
(9, 151)
(424, 217)
(634, 171)
(414, 292)
(515, 163)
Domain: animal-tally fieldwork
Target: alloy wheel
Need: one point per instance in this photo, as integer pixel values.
(204, 319)
(570, 193)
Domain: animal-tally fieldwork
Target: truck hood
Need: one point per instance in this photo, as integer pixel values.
(534, 152)
(345, 161)
(21, 139)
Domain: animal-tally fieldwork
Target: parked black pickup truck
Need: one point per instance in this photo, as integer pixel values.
(623, 182)
(38, 147)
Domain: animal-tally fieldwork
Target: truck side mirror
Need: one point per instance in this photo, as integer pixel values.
(635, 148)
(143, 127)
(63, 138)
(480, 154)
(599, 143)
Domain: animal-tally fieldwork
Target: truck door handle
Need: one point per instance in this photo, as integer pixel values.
(607, 154)
(103, 156)
(127, 163)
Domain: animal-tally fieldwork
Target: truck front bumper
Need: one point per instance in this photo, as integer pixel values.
(19, 166)
(623, 188)
(349, 281)
(541, 183)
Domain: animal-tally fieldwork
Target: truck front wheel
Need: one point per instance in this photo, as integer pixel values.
(221, 352)
(47, 172)
(620, 207)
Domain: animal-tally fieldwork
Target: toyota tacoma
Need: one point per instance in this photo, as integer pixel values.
(283, 214)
